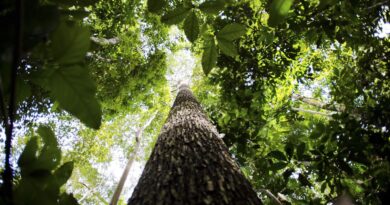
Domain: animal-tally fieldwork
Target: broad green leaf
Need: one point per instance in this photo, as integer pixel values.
(50, 155)
(303, 180)
(289, 149)
(175, 16)
(155, 6)
(47, 135)
(231, 31)
(277, 155)
(278, 166)
(191, 27)
(301, 150)
(23, 90)
(69, 43)
(210, 55)
(75, 91)
(28, 155)
(227, 47)
(279, 10)
(345, 167)
(212, 7)
(63, 173)
(77, 14)
(287, 173)
(67, 199)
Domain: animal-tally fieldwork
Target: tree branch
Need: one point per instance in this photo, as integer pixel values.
(139, 132)
(91, 190)
(273, 197)
(105, 41)
(313, 112)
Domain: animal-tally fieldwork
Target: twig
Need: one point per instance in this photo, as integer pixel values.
(93, 192)
(378, 4)
(273, 197)
(329, 115)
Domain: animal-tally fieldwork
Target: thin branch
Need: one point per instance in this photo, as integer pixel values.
(378, 4)
(273, 197)
(93, 192)
(105, 41)
(313, 112)
(118, 190)
(319, 104)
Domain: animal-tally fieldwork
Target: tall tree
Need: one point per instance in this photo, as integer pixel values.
(190, 164)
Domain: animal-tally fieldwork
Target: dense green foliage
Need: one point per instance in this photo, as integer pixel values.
(300, 90)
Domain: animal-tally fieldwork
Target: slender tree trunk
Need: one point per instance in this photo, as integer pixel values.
(138, 135)
(190, 165)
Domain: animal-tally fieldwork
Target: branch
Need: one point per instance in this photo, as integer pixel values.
(119, 188)
(91, 190)
(273, 197)
(314, 112)
(105, 41)
(333, 109)
(316, 103)
(378, 4)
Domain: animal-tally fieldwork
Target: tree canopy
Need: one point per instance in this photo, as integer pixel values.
(300, 91)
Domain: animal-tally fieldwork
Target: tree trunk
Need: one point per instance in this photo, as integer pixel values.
(190, 164)
(138, 135)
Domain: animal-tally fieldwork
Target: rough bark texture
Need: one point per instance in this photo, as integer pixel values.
(190, 164)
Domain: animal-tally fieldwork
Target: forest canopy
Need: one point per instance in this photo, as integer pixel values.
(298, 90)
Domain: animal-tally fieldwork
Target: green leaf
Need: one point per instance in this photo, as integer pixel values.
(23, 90)
(77, 14)
(63, 173)
(345, 167)
(47, 135)
(69, 43)
(212, 7)
(303, 180)
(75, 91)
(231, 32)
(289, 149)
(227, 47)
(279, 10)
(277, 155)
(68, 199)
(28, 155)
(301, 150)
(155, 6)
(278, 166)
(50, 155)
(210, 55)
(75, 2)
(191, 27)
(175, 16)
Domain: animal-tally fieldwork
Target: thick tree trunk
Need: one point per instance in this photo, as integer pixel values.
(190, 164)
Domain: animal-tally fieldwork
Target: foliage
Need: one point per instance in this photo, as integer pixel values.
(304, 156)
(300, 89)
(41, 175)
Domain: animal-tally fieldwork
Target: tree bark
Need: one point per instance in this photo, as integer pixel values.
(190, 165)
